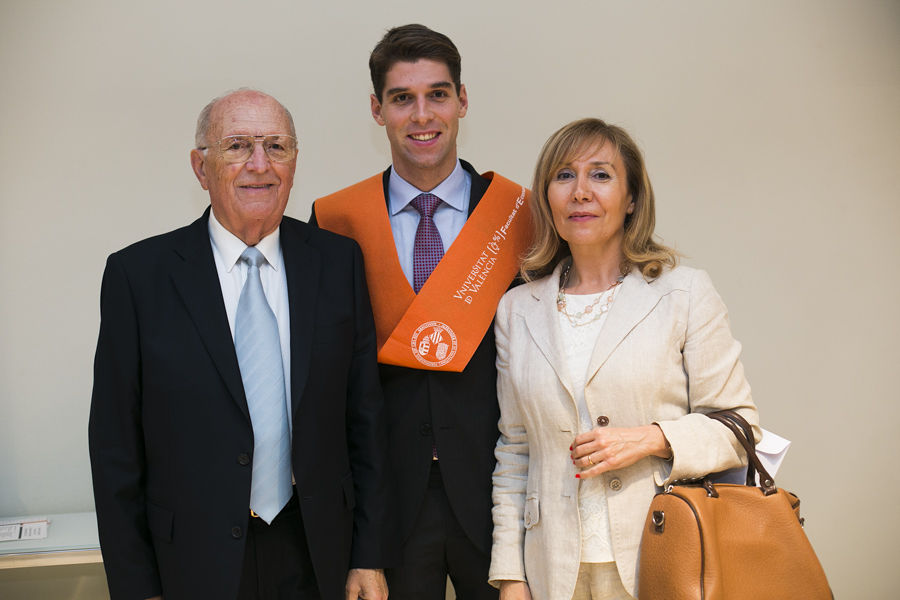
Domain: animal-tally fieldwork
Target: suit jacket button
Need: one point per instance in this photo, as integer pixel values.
(236, 532)
(425, 429)
(602, 420)
(615, 484)
(243, 459)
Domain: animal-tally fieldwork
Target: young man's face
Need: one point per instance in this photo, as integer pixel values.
(420, 110)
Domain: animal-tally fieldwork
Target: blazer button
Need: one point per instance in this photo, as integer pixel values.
(236, 532)
(615, 484)
(425, 429)
(243, 459)
(602, 420)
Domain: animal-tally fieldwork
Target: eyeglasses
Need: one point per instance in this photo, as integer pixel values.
(239, 148)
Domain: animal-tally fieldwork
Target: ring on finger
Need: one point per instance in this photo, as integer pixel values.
(590, 460)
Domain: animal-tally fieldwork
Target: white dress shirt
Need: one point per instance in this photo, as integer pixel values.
(227, 249)
(449, 217)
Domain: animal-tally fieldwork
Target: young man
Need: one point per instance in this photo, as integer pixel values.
(441, 245)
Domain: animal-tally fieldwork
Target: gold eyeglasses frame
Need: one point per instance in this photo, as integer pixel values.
(269, 144)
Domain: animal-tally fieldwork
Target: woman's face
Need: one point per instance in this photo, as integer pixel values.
(589, 199)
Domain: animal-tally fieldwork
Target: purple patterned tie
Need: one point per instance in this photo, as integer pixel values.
(428, 247)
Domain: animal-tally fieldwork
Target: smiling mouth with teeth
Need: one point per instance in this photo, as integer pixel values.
(423, 137)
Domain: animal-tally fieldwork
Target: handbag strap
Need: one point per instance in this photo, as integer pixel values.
(744, 434)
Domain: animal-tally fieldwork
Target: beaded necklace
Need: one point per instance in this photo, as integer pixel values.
(589, 309)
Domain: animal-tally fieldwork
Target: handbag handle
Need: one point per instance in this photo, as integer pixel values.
(744, 434)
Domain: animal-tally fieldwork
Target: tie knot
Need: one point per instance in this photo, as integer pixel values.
(253, 257)
(426, 204)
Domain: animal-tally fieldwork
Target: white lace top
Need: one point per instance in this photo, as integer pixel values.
(596, 541)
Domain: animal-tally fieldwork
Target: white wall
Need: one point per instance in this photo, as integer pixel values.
(771, 130)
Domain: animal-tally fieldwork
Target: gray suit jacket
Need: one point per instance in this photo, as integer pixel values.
(664, 355)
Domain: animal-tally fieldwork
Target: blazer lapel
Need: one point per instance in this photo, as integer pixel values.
(544, 329)
(479, 185)
(302, 264)
(197, 282)
(635, 300)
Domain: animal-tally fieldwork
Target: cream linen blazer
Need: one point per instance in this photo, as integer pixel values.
(665, 355)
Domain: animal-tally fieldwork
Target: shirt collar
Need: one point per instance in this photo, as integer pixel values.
(230, 247)
(451, 190)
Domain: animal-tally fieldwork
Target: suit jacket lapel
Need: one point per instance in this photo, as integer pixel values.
(544, 329)
(635, 300)
(197, 282)
(302, 264)
(479, 185)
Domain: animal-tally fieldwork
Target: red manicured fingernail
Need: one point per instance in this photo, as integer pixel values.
(570, 448)
(577, 476)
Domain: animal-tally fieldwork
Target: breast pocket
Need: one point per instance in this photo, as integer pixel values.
(333, 345)
(337, 333)
(532, 511)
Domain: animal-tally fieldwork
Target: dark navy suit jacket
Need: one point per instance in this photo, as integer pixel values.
(170, 435)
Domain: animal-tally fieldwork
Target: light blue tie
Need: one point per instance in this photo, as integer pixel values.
(258, 351)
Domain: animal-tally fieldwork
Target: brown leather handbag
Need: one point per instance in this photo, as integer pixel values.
(721, 541)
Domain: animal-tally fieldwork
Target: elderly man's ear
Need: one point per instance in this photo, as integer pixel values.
(198, 163)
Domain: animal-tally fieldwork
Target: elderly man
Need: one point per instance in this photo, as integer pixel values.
(236, 431)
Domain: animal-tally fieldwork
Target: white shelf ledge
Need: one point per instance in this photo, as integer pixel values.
(71, 540)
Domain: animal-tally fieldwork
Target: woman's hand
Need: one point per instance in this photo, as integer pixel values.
(609, 448)
(514, 590)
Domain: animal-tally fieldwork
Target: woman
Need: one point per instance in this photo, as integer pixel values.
(607, 359)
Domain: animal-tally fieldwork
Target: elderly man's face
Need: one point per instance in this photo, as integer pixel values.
(248, 198)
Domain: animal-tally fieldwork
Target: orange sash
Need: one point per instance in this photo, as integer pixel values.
(440, 327)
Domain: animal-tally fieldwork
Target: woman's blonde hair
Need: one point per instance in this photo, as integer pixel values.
(570, 142)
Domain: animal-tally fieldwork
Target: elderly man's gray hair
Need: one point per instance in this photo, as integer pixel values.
(203, 121)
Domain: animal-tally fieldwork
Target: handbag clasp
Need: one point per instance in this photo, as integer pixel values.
(659, 520)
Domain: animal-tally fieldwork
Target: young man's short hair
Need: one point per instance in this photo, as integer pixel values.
(409, 43)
